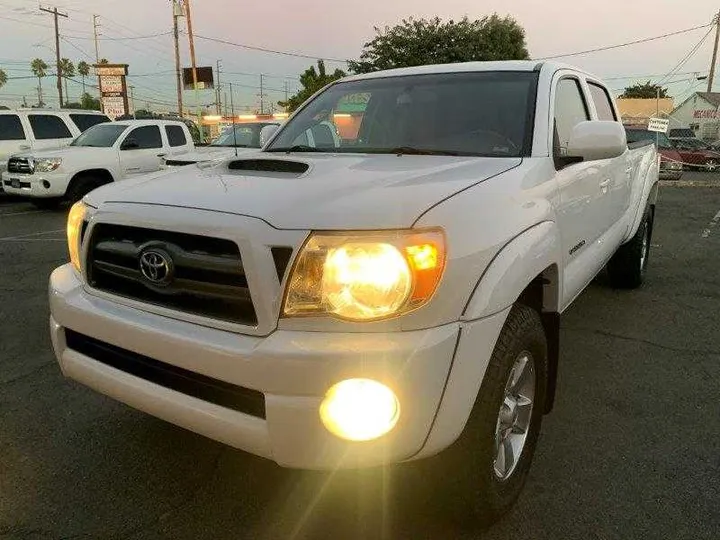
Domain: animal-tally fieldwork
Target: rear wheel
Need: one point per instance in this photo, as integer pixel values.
(711, 165)
(492, 458)
(628, 266)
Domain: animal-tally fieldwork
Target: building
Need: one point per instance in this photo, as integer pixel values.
(638, 111)
(700, 113)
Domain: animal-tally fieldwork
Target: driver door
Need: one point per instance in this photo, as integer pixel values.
(141, 151)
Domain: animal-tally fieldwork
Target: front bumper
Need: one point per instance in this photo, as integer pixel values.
(34, 185)
(292, 369)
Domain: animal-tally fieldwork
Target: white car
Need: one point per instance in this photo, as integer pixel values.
(241, 138)
(381, 299)
(103, 154)
(28, 130)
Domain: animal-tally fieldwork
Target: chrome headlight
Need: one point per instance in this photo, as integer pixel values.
(74, 231)
(365, 276)
(47, 164)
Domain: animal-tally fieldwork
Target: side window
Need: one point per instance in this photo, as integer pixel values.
(176, 135)
(146, 137)
(11, 128)
(570, 110)
(48, 126)
(86, 121)
(602, 102)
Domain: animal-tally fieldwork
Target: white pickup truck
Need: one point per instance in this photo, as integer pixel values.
(384, 299)
(104, 153)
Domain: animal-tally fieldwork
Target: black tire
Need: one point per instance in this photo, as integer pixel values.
(468, 466)
(628, 267)
(81, 186)
(46, 203)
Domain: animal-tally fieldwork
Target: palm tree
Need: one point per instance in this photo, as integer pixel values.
(3, 78)
(83, 69)
(39, 69)
(103, 61)
(67, 69)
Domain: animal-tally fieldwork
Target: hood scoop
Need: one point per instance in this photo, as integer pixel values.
(285, 168)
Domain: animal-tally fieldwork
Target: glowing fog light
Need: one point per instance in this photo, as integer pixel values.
(359, 410)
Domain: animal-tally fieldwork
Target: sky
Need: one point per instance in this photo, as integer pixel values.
(327, 29)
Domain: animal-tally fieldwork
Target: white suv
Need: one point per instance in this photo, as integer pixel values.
(25, 130)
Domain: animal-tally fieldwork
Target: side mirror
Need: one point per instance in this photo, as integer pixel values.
(266, 133)
(596, 139)
(129, 144)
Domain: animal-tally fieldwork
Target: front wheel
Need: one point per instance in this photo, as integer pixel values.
(627, 268)
(491, 460)
(711, 165)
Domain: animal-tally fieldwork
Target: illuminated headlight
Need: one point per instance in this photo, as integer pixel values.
(365, 276)
(47, 164)
(359, 410)
(74, 229)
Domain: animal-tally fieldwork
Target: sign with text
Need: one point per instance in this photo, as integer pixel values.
(102, 70)
(111, 84)
(660, 125)
(708, 113)
(114, 106)
(113, 89)
(204, 78)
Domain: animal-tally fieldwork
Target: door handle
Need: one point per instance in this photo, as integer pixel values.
(24, 147)
(605, 183)
(161, 155)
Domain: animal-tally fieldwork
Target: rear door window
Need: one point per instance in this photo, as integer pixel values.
(86, 121)
(601, 99)
(48, 126)
(176, 136)
(11, 128)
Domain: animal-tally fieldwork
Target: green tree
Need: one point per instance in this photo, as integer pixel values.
(67, 69)
(83, 69)
(103, 61)
(311, 80)
(417, 42)
(644, 91)
(3, 78)
(39, 69)
(89, 102)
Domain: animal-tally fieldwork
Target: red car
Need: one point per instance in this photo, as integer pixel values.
(697, 154)
(671, 166)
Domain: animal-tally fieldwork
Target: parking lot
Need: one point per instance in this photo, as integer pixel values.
(631, 451)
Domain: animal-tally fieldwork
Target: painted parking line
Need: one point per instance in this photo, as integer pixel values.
(713, 223)
(8, 214)
(30, 235)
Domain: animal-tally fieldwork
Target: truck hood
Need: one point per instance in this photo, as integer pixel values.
(67, 152)
(208, 153)
(321, 191)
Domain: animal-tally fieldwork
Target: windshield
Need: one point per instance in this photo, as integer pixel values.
(693, 143)
(474, 114)
(100, 136)
(639, 135)
(246, 135)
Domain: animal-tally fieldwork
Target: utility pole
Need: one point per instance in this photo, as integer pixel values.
(262, 96)
(96, 25)
(57, 14)
(132, 101)
(177, 12)
(715, 52)
(218, 103)
(194, 64)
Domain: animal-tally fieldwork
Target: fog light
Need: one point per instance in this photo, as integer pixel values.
(359, 410)
(46, 184)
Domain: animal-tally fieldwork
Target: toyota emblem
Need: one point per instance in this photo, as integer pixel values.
(156, 266)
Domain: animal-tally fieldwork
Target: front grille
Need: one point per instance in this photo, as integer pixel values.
(19, 165)
(205, 275)
(175, 378)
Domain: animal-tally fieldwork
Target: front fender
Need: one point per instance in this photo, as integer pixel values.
(518, 263)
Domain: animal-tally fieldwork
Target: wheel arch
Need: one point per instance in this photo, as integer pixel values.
(100, 176)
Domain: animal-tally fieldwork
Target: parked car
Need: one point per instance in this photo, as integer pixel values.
(367, 301)
(242, 137)
(671, 166)
(681, 133)
(103, 154)
(28, 130)
(697, 154)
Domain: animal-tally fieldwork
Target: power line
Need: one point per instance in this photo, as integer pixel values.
(636, 42)
(271, 51)
(685, 58)
(84, 53)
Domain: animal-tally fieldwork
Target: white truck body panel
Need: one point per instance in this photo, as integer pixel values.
(508, 221)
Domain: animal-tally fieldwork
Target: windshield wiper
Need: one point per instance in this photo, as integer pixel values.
(412, 151)
(299, 148)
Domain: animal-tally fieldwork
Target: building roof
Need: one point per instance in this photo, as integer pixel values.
(711, 97)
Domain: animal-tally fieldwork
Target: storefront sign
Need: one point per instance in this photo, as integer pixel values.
(708, 113)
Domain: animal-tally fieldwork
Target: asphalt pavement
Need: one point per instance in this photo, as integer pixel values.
(631, 451)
